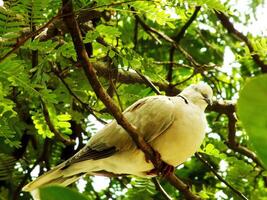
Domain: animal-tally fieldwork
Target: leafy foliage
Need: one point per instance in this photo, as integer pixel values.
(141, 188)
(45, 97)
(55, 192)
(6, 166)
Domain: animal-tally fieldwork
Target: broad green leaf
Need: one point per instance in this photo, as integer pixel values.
(252, 109)
(56, 193)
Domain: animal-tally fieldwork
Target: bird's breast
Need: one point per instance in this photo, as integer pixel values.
(183, 137)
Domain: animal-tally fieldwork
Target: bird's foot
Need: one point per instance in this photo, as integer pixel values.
(165, 169)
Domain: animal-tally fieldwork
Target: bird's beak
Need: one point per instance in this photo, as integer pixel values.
(208, 100)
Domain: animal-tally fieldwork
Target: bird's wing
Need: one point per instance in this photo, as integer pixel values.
(151, 116)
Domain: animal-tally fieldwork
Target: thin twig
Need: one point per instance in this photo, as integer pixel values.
(84, 105)
(30, 169)
(135, 38)
(211, 168)
(161, 189)
(52, 127)
(170, 68)
(225, 21)
(148, 82)
(21, 41)
(168, 39)
(177, 39)
(183, 81)
(117, 94)
(149, 29)
(228, 108)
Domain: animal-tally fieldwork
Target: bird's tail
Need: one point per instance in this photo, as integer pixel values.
(55, 176)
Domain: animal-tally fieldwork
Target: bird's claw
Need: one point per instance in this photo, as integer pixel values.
(164, 169)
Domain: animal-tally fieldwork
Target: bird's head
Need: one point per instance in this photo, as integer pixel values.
(200, 94)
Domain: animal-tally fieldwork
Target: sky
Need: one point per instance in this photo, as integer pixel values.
(258, 23)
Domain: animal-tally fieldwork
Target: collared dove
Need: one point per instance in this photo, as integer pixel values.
(173, 126)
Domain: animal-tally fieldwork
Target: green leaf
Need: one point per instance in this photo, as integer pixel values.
(108, 31)
(264, 173)
(56, 193)
(251, 109)
(90, 36)
(211, 4)
(7, 163)
(64, 117)
(210, 149)
(40, 124)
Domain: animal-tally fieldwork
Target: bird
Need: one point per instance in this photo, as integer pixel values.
(174, 126)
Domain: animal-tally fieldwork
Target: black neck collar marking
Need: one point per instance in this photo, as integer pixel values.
(185, 100)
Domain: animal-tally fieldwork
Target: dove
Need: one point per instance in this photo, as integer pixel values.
(173, 126)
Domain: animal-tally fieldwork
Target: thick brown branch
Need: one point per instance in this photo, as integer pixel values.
(178, 38)
(105, 98)
(181, 33)
(233, 144)
(230, 27)
(83, 104)
(96, 85)
(229, 109)
(128, 77)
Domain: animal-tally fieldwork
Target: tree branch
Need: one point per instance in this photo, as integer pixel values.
(160, 188)
(198, 67)
(148, 82)
(181, 33)
(42, 157)
(211, 168)
(231, 143)
(177, 39)
(230, 27)
(24, 39)
(135, 37)
(228, 109)
(53, 129)
(152, 30)
(84, 105)
(105, 98)
(128, 77)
